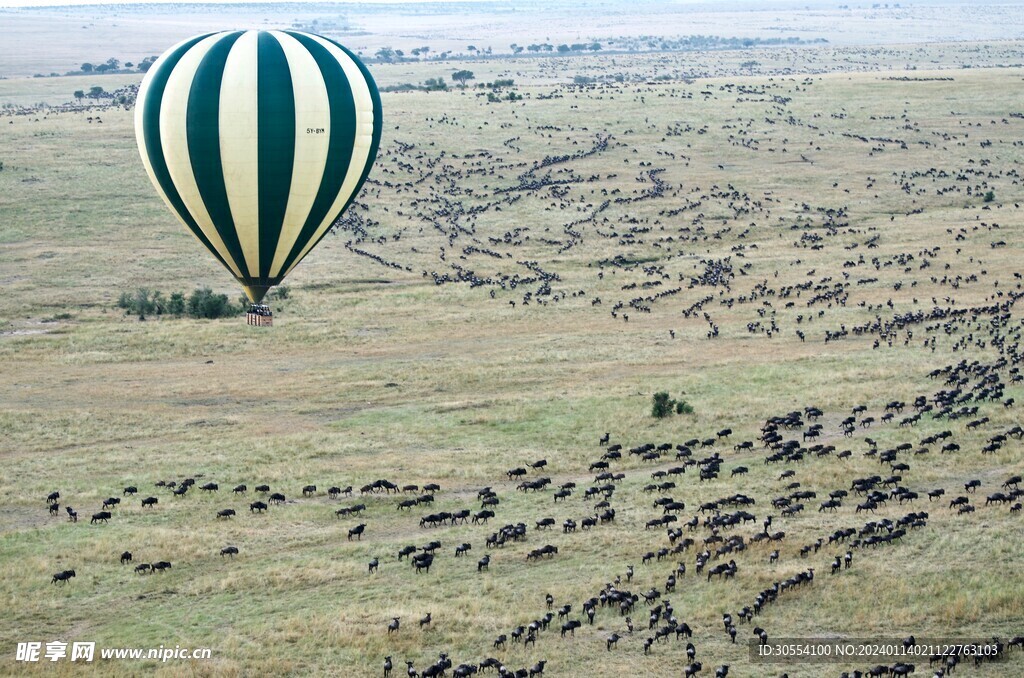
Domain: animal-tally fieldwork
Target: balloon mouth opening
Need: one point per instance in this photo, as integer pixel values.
(256, 293)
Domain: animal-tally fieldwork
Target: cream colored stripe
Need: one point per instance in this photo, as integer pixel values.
(312, 134)
(174, 139)
(140, 137)
(361, 148)
(239, 146)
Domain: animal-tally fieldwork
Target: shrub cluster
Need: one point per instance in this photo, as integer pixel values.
(664, 406)
(202, 303)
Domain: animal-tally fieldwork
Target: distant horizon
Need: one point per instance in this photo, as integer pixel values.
(716, 4)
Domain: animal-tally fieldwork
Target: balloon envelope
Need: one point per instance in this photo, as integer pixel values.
(258, 141)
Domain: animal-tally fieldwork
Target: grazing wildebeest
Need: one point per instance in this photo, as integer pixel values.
(63, 576)
(422, 562)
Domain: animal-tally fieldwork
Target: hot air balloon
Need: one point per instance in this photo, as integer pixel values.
(258, 141)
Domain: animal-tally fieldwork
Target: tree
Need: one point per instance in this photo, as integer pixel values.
(79, 94)
(463, 76)
(87, 67)
(563, 49)
(113, 63)
(662, 405)
(386, 54)
(95, 92)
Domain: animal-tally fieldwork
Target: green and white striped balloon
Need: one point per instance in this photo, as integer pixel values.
(258, 141)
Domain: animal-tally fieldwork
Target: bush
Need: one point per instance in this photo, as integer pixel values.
(202, 303)
(990, 196)
(663, 406)
(176, 304)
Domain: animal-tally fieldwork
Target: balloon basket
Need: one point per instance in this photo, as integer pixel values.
(259, 315)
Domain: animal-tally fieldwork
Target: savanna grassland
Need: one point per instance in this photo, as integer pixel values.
(517, 279)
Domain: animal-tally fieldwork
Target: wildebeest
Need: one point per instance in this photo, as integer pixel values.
(257, 507)
(103, 516)
(229, 551)
(225, 513)
(149, 501)
(357, 531)
(62, 576)
(161, 566)
(126, 557)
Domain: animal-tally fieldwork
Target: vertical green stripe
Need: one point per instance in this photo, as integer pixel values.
(154, 147)
(378, 126)
(202, 129)
(340, 144)
(378, 121)
(276, 122)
